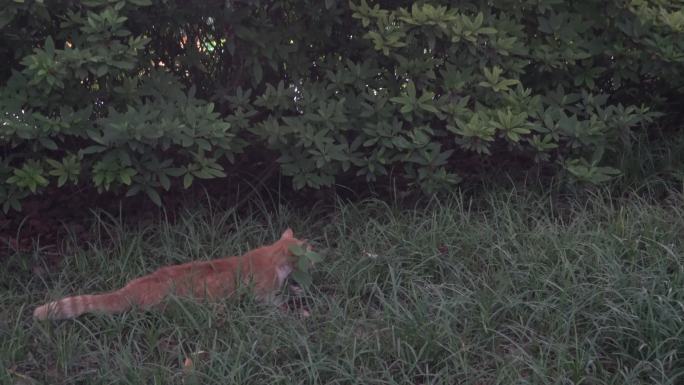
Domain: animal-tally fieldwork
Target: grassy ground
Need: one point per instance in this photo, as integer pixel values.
(509, 290)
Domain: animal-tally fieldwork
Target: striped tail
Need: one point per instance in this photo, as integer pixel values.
(71, 307)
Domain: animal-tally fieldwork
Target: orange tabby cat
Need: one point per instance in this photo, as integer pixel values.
(265, 269)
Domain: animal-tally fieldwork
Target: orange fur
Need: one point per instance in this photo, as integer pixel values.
(263, 269)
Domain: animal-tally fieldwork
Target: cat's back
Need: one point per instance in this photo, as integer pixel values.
(189, 270)
(195, 268)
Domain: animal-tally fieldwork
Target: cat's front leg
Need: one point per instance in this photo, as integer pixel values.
(290, 305)
(273, 299)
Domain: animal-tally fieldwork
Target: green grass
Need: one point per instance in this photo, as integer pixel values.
(508, 289)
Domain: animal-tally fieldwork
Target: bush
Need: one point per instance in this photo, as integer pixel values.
(141, 96)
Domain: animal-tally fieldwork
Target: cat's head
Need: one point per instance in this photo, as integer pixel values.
(287, 239)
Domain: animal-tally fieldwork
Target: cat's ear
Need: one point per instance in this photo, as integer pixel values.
(287, 234)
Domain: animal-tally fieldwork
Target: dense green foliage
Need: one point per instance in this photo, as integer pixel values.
(141, 96)
(508, 290)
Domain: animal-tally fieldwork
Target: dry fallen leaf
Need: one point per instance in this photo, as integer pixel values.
(199, 356)
(369, 254)
(188, 364)
(21, 379)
